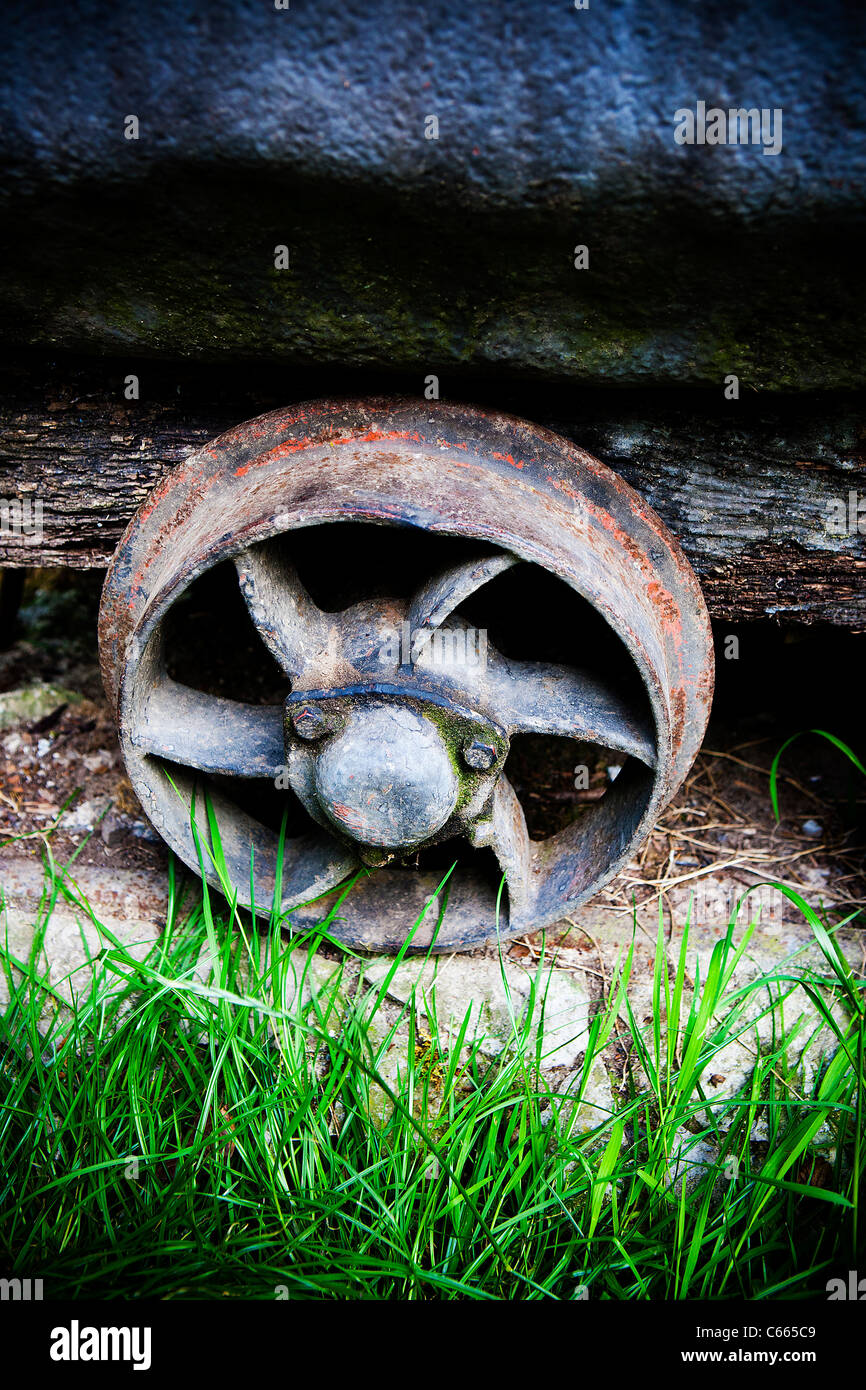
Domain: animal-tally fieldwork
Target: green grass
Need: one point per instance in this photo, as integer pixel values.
(180, 1137)
(822, 733)
(190, 1132)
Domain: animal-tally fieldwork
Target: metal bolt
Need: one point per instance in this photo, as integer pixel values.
(309, 723)
(478, 755)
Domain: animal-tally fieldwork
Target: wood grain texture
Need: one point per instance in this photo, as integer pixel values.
(747, 491)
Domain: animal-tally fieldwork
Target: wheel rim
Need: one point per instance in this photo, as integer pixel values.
(422, 741)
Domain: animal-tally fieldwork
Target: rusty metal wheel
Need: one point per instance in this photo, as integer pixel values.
(394, 718)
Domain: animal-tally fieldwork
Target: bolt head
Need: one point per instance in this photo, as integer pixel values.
(478, 755)
(309, 723)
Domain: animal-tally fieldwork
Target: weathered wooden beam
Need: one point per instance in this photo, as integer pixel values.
(754, 495)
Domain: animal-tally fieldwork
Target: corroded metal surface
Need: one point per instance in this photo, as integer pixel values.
(451, 471)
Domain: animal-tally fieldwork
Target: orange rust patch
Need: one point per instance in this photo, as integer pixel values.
(348, 816)
(283, 450)
(562, 486)
(629, 545)
(678, 719)
(162, 489)
(662, 600)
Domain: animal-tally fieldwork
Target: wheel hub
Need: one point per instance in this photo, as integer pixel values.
(387, 779)
(391, 768)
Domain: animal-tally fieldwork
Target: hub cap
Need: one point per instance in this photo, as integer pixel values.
(387, 779)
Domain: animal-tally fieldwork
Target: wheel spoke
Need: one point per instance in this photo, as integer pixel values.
(525, 696)
(210, 733)
(512, 846)
(538, 698)
(446, 591)
(533, 697)
(312, 864)
(290, 624)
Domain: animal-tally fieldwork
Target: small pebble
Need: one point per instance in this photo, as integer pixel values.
(812, 827)
(112, 830)
(97, 762)
(142, 831)
(43, 746)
